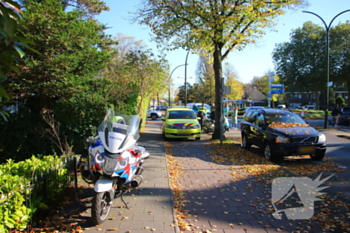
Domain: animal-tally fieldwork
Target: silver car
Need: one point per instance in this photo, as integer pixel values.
(154, 114)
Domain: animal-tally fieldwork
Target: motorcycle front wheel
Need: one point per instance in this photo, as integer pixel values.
(101, 205)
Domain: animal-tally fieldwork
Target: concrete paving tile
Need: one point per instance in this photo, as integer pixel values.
(240, 224)
(257, 230)
(212, 210)
(259, 223)
(227, 217)
(234, 204)
(143, 217)
(219, 224)
(158, 226)
(108, 224)
(163, 218)
(244, 217)
(130, 225)
(246, 209)
(234, 231)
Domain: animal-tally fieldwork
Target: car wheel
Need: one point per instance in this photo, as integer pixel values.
(154, 116)
(269, 153)
(318, 156)
(198, 138)
(245, 143)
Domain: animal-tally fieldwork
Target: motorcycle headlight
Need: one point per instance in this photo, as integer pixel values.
(281, 139)
(99, 158)
(321, 138)
(110, 166)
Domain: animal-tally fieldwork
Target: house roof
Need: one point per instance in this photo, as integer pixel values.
(254, 94)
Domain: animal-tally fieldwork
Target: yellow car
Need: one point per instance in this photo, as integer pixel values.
(181, 123)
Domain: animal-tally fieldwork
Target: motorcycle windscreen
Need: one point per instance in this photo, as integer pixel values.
(113, 137)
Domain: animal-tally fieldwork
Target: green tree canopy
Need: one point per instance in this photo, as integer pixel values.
(301, 62)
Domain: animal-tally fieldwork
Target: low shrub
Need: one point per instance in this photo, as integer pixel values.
(27, 186)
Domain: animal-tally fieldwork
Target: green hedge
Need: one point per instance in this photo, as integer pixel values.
(28, 186)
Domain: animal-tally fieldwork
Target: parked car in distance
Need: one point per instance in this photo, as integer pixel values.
(344, 116)
(253, 108)
(161, 108)
(310, 107)
(154, 114)
(281, 133)
(302, 107)
(181, 122)
(196, 106)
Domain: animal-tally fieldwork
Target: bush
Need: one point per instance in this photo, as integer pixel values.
(28, 186)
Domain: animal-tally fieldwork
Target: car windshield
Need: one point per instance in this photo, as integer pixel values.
(284, 117)
(181, 114)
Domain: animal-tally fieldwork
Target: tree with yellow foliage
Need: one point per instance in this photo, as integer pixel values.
(218, 27)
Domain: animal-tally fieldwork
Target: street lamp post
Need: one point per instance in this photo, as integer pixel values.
(327, 55)
(170, 79)
(210, 87)
(186, 77)
(270, 80)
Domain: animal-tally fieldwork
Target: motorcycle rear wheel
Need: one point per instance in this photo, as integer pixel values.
(101, 205)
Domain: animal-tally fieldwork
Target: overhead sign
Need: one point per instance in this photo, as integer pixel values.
(277, 86)
(277, 91)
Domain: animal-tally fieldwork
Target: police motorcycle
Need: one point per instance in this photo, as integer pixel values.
(208, 124)
(114, 163)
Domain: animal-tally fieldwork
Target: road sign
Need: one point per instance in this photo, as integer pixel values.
(277, 91)
(227, 90)
(277, 86)
(269, 96)
(271, 80)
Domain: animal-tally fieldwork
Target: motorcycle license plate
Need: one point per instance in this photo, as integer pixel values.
(307, 149)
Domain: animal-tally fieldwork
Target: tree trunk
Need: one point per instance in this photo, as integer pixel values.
(218, 100)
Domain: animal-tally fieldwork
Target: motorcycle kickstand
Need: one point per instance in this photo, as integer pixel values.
(126, 204)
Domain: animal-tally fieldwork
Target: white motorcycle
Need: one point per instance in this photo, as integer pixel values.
(114, 164)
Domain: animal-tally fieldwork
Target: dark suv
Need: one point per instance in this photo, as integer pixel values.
(281, 133)
(344, 116)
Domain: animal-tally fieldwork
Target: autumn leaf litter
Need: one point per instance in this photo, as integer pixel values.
(331, 214)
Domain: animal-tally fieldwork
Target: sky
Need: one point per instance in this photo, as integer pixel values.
(254, 60)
